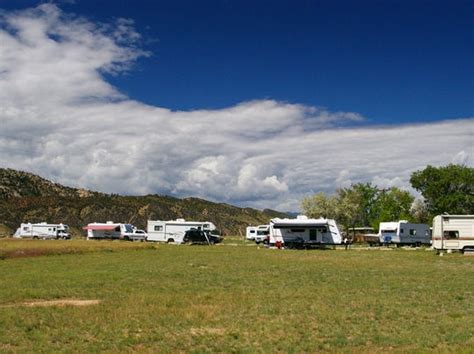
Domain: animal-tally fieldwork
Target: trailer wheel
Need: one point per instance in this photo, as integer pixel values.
(170, 240)
(35, 238)
(126, 238)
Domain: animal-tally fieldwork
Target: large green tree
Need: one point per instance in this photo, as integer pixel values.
(392, 205)
(319, 206)
(448, 189)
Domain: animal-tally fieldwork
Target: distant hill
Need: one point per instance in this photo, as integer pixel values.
(25, 197)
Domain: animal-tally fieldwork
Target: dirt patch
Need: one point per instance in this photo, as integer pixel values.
(206, 330)
(59, 302)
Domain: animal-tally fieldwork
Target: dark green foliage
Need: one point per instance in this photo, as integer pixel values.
(25, 197)
(448, 189)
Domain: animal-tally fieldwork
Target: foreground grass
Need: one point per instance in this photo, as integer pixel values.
(223, 298)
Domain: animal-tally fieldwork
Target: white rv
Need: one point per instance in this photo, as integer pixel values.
(42, 231)
(453, 232)
(174, 230)
(404, 233)
(303, 232)
(250, 232)
(111, 230)
(263, 233)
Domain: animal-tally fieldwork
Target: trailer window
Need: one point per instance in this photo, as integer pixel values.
(412, 232)
(401, 231)
(449, 235)
(252, 231)
(158, 227)
(25, 228)
(297, 230)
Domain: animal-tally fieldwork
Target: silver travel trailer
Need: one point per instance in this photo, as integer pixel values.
(453, 232)
(404, 233)
(43, 231)
(250, 232)
(111, 230)
(174, 230)
(304, 232)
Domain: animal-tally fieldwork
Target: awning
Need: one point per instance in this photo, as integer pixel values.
(100, 227)
(307, 225)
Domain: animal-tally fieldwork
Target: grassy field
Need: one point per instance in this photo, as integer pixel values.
(233, 297)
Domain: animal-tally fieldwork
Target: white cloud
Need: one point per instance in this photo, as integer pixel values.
(61, 119)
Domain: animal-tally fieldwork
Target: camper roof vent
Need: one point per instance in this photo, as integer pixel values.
(180, 220)
(405, 221)
(302, 217)
(109, 222)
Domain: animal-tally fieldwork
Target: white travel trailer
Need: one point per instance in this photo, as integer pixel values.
(174, 230)
(111, 230)
(453, 232)
(304, 232)
(250, 232)
(404, 233)
(263, 233)
(42, 231)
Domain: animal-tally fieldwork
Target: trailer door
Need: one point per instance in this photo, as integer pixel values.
(313, 234)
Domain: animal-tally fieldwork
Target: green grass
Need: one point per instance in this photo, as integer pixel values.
(234, 297)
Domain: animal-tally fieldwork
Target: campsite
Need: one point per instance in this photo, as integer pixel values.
(237, 296)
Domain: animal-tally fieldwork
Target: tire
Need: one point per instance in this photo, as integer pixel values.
(170, 240)
(35, 238)
(126, 238)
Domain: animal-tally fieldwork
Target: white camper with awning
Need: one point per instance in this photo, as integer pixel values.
(111, 230)
(304, 232)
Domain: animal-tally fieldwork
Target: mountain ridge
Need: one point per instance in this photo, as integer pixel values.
(26, 197)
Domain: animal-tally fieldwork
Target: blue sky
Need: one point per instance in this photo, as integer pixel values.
(391, 61)
(250, 103)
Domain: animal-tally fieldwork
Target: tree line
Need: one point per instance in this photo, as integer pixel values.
(448, 189)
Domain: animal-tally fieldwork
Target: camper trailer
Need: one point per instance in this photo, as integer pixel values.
(453, 232)
(303, 232)
(250, 232)
(174, 230)
(404, 233)
(43, 231)
(111, 230)
(263, 234)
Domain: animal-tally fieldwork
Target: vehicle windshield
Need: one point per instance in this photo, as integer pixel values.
(128, 228)
(263, 232)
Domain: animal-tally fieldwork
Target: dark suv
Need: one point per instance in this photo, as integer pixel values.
(199, 236)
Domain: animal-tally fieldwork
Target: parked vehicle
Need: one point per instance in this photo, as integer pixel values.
(303, 232)
(43, 231)
(250, 232)
(174, 230)
(453, 232)
(263, 232)
(404, 233)
(200, 236)
(111, 230)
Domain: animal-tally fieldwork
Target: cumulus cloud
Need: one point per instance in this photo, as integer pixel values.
(60, 118)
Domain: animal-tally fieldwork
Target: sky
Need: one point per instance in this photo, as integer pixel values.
(252, 103)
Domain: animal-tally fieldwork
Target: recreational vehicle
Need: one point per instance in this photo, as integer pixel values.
(404, 233)
(250, 232)
(263, 233)
(174, 230)
(303, 232)
(42, 231)
(453, 232)
(111, 230)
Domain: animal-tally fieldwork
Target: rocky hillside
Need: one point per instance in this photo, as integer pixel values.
(25, 197)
